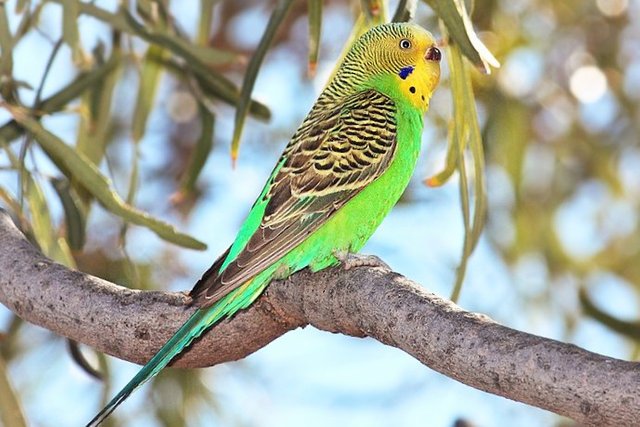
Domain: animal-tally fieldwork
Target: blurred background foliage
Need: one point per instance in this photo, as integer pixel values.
(119, 120)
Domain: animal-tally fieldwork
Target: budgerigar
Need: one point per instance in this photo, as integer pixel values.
(339, 176)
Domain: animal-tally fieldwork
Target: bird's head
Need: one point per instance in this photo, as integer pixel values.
(400, 60)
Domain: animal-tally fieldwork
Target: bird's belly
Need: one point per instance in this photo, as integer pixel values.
(350, 228)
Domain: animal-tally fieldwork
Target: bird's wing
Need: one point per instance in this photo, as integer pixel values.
(331, 158)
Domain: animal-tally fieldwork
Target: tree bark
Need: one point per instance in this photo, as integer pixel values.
(469, 347)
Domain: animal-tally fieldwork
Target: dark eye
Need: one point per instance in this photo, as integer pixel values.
(405, 44)
(433, 54)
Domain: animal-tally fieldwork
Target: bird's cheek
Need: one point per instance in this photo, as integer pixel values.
(429, 74)
(436, 75)
(432, 73)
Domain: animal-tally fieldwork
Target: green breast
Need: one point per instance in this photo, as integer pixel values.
(364, 213)
(351, 227)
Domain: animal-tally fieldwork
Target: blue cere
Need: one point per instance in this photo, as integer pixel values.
(405, 71)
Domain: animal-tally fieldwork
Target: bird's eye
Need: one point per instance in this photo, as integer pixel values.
(433, 54)
(405, 44)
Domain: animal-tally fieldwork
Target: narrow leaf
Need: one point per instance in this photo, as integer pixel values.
(466, 132)
(20, 6)
(464, 97)
(282, 7)
(206, 19)
(480, 191)
(81, 361)
(405, 11)
(74, 213)
(85, 172)
(220, 87)
(40, 217)
(71, 10)
(212, 84)
(151, 13)
(148, 86)
(62, 253)
(204, 24)
(375, 11)
(96, 124)
(315, 31)
(451, 161)
(134, 177)
(11, 203)
(125, 22)
(9, 346)
(12, 130)
(466, 221)
(41, 224)
(6, 52)
(459, 27)
(179, 46)
(28, 21)
(11, 413)
(84, 81)
(623, 327)
(201, 153)
(105, 371)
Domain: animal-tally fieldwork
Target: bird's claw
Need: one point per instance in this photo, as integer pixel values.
(350, 261)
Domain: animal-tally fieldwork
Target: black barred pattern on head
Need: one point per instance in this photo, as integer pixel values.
(362, 62)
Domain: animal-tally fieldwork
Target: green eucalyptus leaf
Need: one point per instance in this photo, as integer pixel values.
(206, 19)
(85, 172)
(315, 30)
(96, 104)
(465, 134)
(74, 213)
(279, 13)
(148, 86)
(11, 413)
(70, 33)
(628, 328)
(405, 11)
(375, 11)
(460, 29)
(84, 81)
(201, 153)
(6, 53)
(213, 85)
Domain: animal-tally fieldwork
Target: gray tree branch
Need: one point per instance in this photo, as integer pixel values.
(471, 348)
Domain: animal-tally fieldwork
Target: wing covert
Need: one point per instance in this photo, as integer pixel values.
(334, 154)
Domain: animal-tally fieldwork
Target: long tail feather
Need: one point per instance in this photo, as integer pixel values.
(192, 329)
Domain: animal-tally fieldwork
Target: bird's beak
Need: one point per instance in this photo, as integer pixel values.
(433, 54)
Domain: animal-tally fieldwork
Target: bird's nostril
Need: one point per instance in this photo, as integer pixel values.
(433, 54)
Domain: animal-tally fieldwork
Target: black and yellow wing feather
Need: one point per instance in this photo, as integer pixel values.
(334, 154)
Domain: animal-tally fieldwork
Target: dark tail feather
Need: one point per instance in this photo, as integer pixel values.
(193, 328)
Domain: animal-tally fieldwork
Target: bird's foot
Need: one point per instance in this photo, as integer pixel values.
(282, 272)
(350, 261)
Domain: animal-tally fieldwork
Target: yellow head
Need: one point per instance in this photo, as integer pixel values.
(400, 60)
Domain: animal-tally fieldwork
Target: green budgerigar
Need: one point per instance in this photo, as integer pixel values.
(339, 176)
